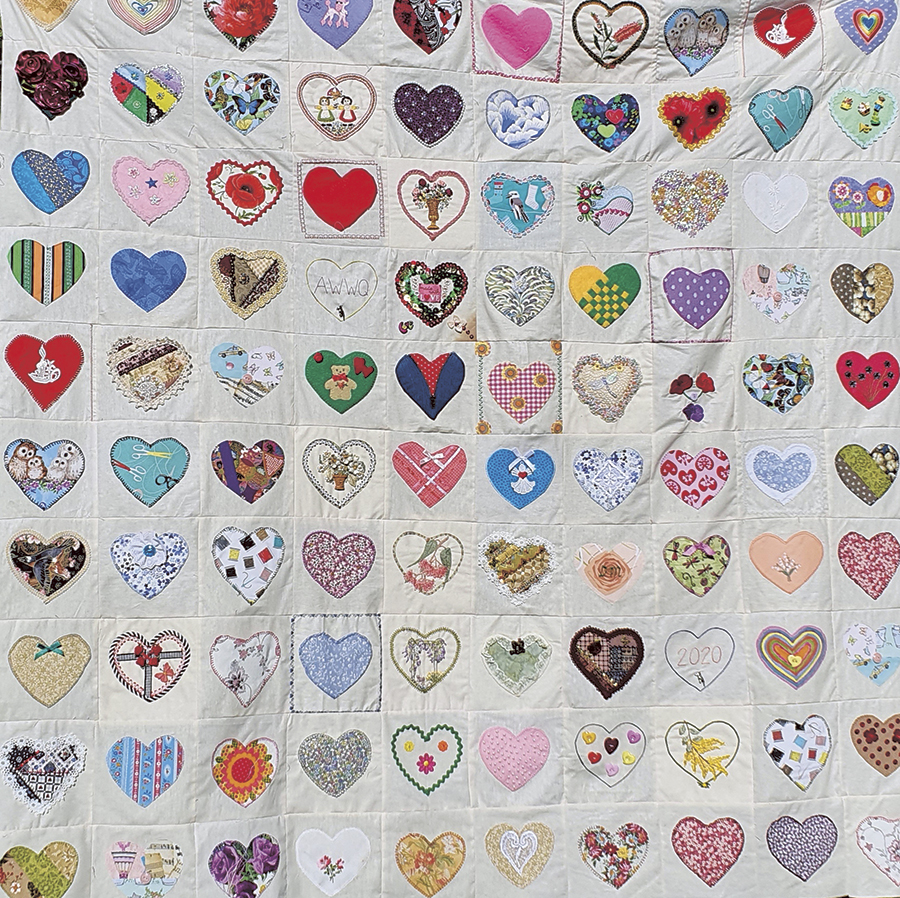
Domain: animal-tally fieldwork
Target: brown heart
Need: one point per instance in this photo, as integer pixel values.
(877, 742)
(517, 566)
(47, 566)
(247, 280)
(607, 659)
(148, 372)
(864, 294)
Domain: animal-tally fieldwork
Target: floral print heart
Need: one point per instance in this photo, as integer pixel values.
(861, 206)
(689, 203)
(606, 124)
(338, 565)
(149, 561)
(867, 474)
(614, 857)
(334, 765)
(244, 666)
(243, 771)
(248, 471)
(145, 770)
(245, 870)
(240, 22)
(54, 84)
(245, 191)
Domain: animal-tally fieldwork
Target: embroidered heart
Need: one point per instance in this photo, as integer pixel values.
(248, 471)
(244, 771)
(332, 104)
(513, 760)
(48, 672)
(149, 561)
(792, 657)
(147, 281)
(609, 34)
(248, 561)
(607, 659)
(431, 294)
(605, 296)
(339, 200)
(861, 206)
(339, 472)
(689, 203)
(781, 474)
(47, 566)
(783, 30)
(244, 666)
(697, 564)
(516, 121)
(145, 771)
(521, 392)
(47, 14)
(867, 27)
(502, 196)
(614, 857)
(429, 115)
(704, 753)
(334, 765)
(45, 368)
(148, 372)
(867, 474)
(695, 40)
(608, 478)
(869, 563)
(519, 295)
(338, 565)
(775, 204)
(149, 669)
(516, 664)
(695, 479)
(428, 26)
(607, 208)
(606, 124)
(610, 755)
(148, 470)
(47, 183)
(145, 16)
(430, 475)
(799, 750)
(868, 380)
(789, 563)
(781, 114)
(877, 741)
(44, 474)
(149, 96)
(54, 84)
(341, 381)
(426, 759)
(699, 660)
(801, 848)
(247, 375)
(240, 869)
(864, 294)
(424, 659)
(777, 299)
(342, 295)
(431, 195)
(46, 272)
(611, 572)
(245, 191)
(150, 191)
(427, 563)
(39, 772)
(874, 652)
(519, 854)
(331, 864)
(695, 119)
(448, 846)
(778, 382)
(708, 850)
(606, 386)
(241, 23)
(431, 383)
(517, 566)
(134, 869)
(335, 665)
(696, 298)
(520, 477)
(242, 102)
(516, 37)
(863, 117)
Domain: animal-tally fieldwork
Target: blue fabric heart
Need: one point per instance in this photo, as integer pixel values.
(781, 474)
(334, 22)
(414, 380)
(148, 471)
(334, 665)
(781, 114)
(149, 561)
(50, 183)
(608, 479)
(143, 771)
(520, 477)
(147, 282)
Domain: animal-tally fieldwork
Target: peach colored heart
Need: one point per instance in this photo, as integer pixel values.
(789, 563)
(612, 572)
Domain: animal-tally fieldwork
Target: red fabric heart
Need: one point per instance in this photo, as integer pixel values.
(431, 369)
(45, 369)
(709, 850)
(784, 30)
(614, 116)
(705, 383)
(695, 118)
(868, 380)
(359, 366)
(869, 563)
(339, 200)
(430, 475)
(695, 479)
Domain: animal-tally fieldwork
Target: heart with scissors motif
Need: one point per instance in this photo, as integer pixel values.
(149, 470)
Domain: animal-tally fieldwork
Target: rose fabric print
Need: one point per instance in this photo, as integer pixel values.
(54, 84)
(241, 21)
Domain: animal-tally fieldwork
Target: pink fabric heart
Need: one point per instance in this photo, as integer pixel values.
(709, 850)
(695, 479)
(150, 191)
(430, 475)
(521, 392)
(513, 760)
(516, 39)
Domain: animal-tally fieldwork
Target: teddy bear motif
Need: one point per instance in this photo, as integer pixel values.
(340, 385)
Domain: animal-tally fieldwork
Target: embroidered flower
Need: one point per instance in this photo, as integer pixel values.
(243, 18)
(556, 347)
(132, 172)
(627, 31)
(879, 194)
(154, 200)
(842, 190)
(245, 190)
(170, 178)
(147, 549)
(134, 191)
(584, 208)
(426, 764)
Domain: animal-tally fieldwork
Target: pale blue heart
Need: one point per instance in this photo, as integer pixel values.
(875, 653)
(148, 471)
(518, 205)
(334, 665)
(608, 479)
(149, 561)
(520, 477)
(143, 771)
(516, 121)
(781, 114)
(781, 473)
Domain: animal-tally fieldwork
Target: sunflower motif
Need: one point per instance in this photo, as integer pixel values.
(243, 772)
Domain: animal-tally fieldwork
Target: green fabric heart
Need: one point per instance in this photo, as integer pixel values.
(605, 296)
(516, 664)
(697, 564)
(341, 381)
(863, 117)
(868, 474)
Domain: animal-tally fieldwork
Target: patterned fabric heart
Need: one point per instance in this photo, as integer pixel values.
(516, 664)
(877, 741)
(49, 183)
(149, 561)
(39, 772)
(248, 375)
(614, 857)
(873, 652)
(781, 114)
(781, 474)
(246, 191)
(244, 666)
(801, 848)
(697, 564)
(777, 299)
(695, 119)
(695, 40)
(339, 200)
(44, 474)
(520, 477)
(609, 34)
(338, 565)
(608, 124)
(606, 386)
(867, 474)
(239, 869)
(427, 563)
(521, 392)
(424, 659)
(339, 473)
(334, 24)
(244, 103)
(247, 280)
(145, 16)
(341, 381)
(431, 383)
(333, 104)
(148, 372)
(874, 835)
(46, 14)
(869, 563)
(149, 669)
(610, 755)
(448, 849)
(430, 475)
(149, 96)
(134, 870)
(46, 272)
(248, 561)
(799, 750)
(517, 566)
(607, 659)
(868, 380)
(783, 30)
(519, 295)
(864, 294)
(428, 25)
(51, 84)
(45, 368)
(513, 760)
(48, 672)
(147, 281)
(708, 850)
(48, 873)
(431, 294)
(607, 208)
(792, 657)
(248, 471)
(787, 563)
(334, 765)
(429, 115)
(335, 665)
(689, 203)
(240, 22)
(150, 191)
(145, 771)
(609, 479)
(605, 296)
(518, 205)
(778, 382)
(863, 117)
(516, 121)
(519, 854)
(244, 771)
(696, 298)
(47, 566)
(149, 470)
(516, 37)
(695, 479)
(867, 27)
(861, 206)
(426, 759)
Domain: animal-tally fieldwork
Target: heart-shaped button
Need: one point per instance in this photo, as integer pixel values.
(695, 119)
(689, 202)
(144, 771)
(48, 671)
(148, 371)
(241, 23)
(148, 95)
(242, 102)
(518, 205)
(781, 114)
(147, 281)
(246, 191)
(697, 564)
(516, 121)
(150, 191)
(248, 561)
(45, 368)
(149, 470)
(429, 115)
(334, 765)
(608, 478)
(696, 39)
(47, 566)
(430, 475)
(695, 479)
(863, 293)
(861, 206)
(514, 759)
(868, 380)
(623, 747)
(44, 474)
(243, 771)
(606, 124)
(337, 106)
(244, 666)
(787, 563)
(134, 869)
(607, 659)
(605, 296)
(248, 471)
(149, 561)
(792, 657)
(50, 183)
(338, 565)
(426, 760)
(46, 272)
(778, 382)
(867, 474)
(799, 750)
(431, 294)
(863, 117)
(149, 669)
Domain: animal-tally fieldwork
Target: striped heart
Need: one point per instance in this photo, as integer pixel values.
(792, 657)
(46, 273)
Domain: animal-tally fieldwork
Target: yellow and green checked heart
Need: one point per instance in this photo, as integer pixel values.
(605, 295)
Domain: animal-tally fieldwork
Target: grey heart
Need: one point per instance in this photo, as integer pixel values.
(801, 848)
(519, 295)
(334, 765)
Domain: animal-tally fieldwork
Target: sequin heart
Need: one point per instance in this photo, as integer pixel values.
(606, 124)
(792, 657)
(783, 30)
(429, 115)
(148, 95)
(610, 755)
(689, 202)
(516, 664)
(781, 474)
(863, 117)
(519, 295)
(697, 564)
(149, 561)
(696, 39)
(46, 272)
(695, 119)
(868, 380)
(608, 478)
(431, 293)
(149, 470)
(521, 391)
(149, 669)
(426, 760)
(776, 292)
(49, 183)
(517, 205)
(605, 296)
(778, 382)
(144, 771)
(696, 298)
(869, 562)
(516, 121)
(39, 773)
(867, 26)
(44, 474)
(607, 659)
(781, 114)
(609, 34)
(334, 765)
(248, 471)
(150, 191)
(786, 563)
(242, 102)
(695, 479)
(243, 771)
(514, 759)
(248, 560)
(861, 206)
(244, 666)
(867, 474)
(338, 564)
(799, 750)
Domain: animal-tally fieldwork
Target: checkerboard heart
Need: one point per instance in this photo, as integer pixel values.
(150, 191)
(605, 296)
(511, 759)
(516, 38)
(709, 850)
(695, 479)
(143, 771)
(45, 368)
(338, 564)
(149, 669)
(869, 563)
(521, 392)
(430, 475)
(339, 200)
(787, 563)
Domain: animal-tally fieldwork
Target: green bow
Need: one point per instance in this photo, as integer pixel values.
(46, 649)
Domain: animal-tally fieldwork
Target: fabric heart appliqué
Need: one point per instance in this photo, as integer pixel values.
(331, 864)
(614, 857)
(520, 477)
(695, 119)
(873, 836)
(247, 280)
(248, 471)
(869, 563)
(775, 204)
(609, 34)
(431, 294)
(242, 102)
(607, 659)
(861, 206)
(339, 106)
(610, 572)
(54, 84)
(242, 771)
(695, 479)
(151, 669)
(134, 870)
(240, 24)
(696, 298)
(868, 380)
(429, 115)
(339, 200)
(516, 664)
(777, 299)
(428, 26)
(244, 666)
(786, 563)
(248, 561)
(47, 565)
(697, 565)
(144, 771)
(430, 475)
(516, 121)
(863, 117)
(605, 296)
(867, 474)
(873, 652)
(426, 759)
(338, 565)
(708, 850)
(149, 470)
(424, 659)
(341, 381)
(448, 846)
(519, 295)
(783, 30)
(608, 478)
(868, 27)
(516, 37)
(519, 854)
(150, 191)
(45, 368)
(607, 208)
(513, 760)
(44, 474)
(431, 383)
(799, 750)
(695, 40)
(148, 95)
(606, 386)
(46, 272)
(608, 124)
(781, 114)
(610, 755)
(792, 657)
(149, 561)
(517, 566)
(49, 671)
(334, 765)
(50, 183)
(334, 24)
(147, 281)
(781, 474)
(802, 848)
(335, 665)
(239, 869)
(39, 772)
(521, 392)
(248, 375)
(148, 372)
(689, 203)
(778, 382)
(877, 741)
(518, 205)
(245, 191)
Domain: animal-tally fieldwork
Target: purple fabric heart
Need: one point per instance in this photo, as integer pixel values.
(868, 38)
(335, 21)
(693, 412)
(801, 848)
(338, 565)
(696, 298)
(429, 115)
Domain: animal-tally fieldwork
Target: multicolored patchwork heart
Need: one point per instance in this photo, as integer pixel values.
(242, 102)
(149, 470)
(868, 27)
(607, 659)
(695, 119)
(46, 272)
(695, 479)
(867, 474)
(430, 25)
(151, 669)
(861, 206)
(689, 202)
(244, 666)
(521, 392)
(777, 299)
(47, 183)
(781, 114)
(148, 372)
(150, 191)
(868, 380)
(248, 471)
(781, 474)
(608, 124)
(696, 39)
(431, 294)
(778, 382)
(429, 115)
(341, 381)
(147, 281)
(149, 561)
(247, 280)
(518, 566)
(802, 848)
(877, 741)
(334, 765)
(516, 664)
(708, 850)
(427, 563)
(864, 294)
(54, 84)
(246, 191)
(696, 298)
(149, 96)
(45, 368)
(430, 475)
(799, 750)
(869, 563)
(135, 870)
(605, 296)
(248, 375)
(697, 564)
(240, 22)
(783, 30)
(242, 771)
(248, 561)
(792, 657)
(338, 564)
(863, 117)
(520, 477)
(426, 759)
(519, 295)
(39, 772)
(239, 869)
(874, 652)
(610, 755)
(609, 34)
(47, 566)
(518, 205)
(424, 659)
(516, 121)
(516, 37)
(431, 383)
(145, 771)
(44, 474)
(49, 672)
(335, 665)
(608, 478)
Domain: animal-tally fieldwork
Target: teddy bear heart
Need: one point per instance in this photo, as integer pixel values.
(49, 671)
(248, 471)
(341, 382)
(150, 191)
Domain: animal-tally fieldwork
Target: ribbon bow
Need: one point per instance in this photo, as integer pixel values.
(705, 548)
(339, 378)
(427, 456)
(42, 649)
(522, 458)
(147, 657)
